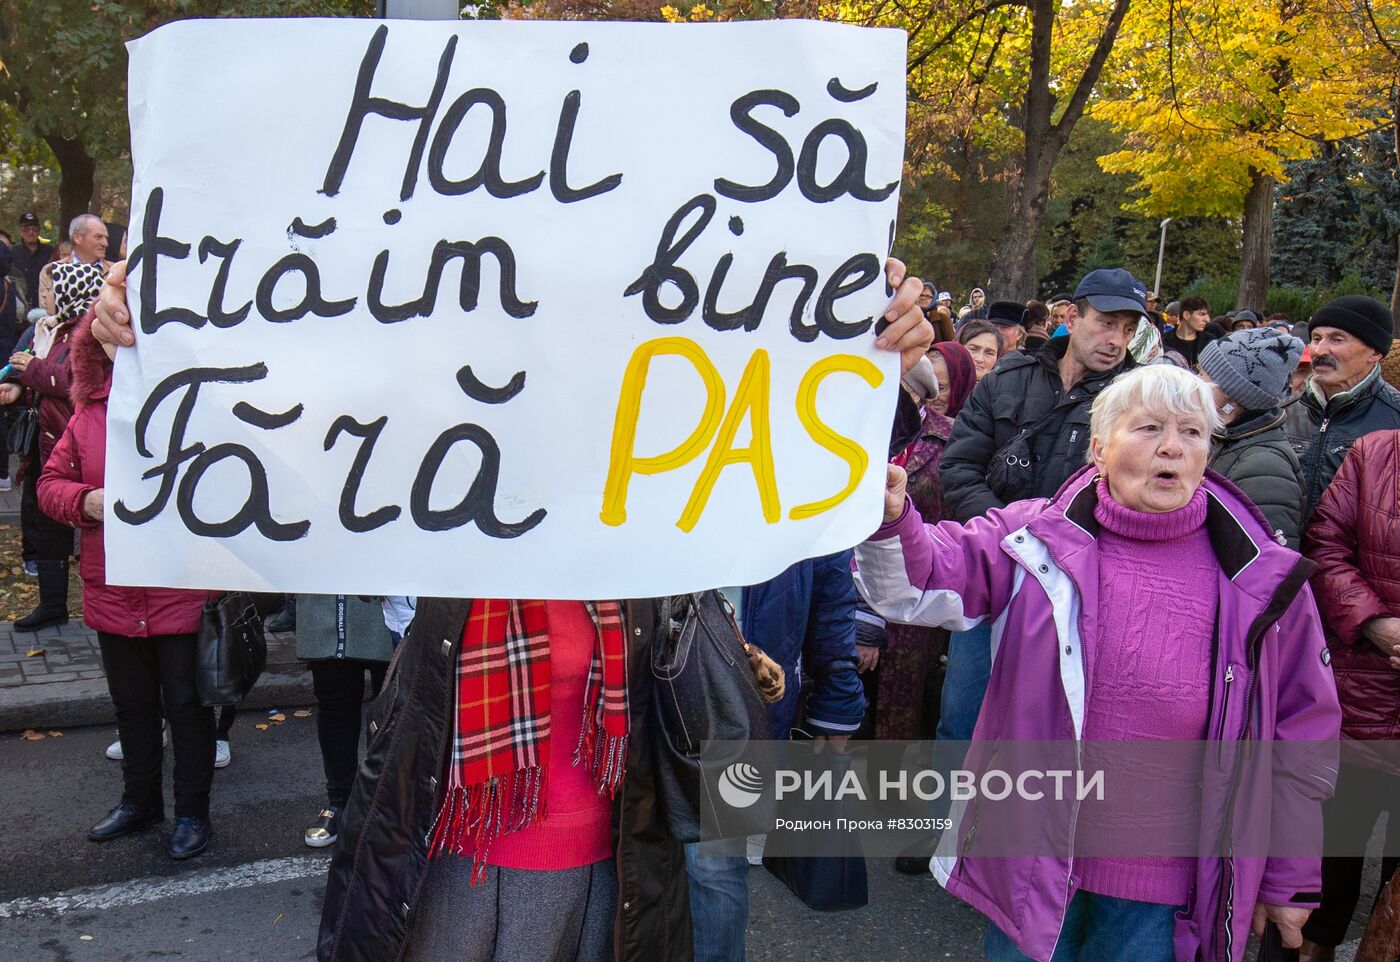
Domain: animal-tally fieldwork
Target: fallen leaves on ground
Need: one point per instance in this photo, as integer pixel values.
(19, 593)
(262, 726)
(279, 718)
(303, 713)
(36, 652)
(55, 734)
(30, 735)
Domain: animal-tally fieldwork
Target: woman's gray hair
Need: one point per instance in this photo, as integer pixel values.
(1156, 387)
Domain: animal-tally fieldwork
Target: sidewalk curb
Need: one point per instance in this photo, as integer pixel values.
(76, 704)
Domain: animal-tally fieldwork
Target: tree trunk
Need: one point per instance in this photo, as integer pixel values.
(1013, 271)
(77, 171)
(1395, 288)
(1258, 243)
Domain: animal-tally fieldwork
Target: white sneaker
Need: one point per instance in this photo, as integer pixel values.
(4, 484)
(222, 755)
(114, 750)
(754, 848)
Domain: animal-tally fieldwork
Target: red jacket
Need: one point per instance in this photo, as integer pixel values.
(75, 468)
(1355, 540)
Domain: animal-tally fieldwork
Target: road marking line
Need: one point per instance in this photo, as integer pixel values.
(98, 898)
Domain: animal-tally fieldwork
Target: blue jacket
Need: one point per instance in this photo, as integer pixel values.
(804, 620)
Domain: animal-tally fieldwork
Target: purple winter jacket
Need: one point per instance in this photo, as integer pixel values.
(1032, 569)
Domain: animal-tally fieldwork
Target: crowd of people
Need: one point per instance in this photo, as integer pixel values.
(1214, 496)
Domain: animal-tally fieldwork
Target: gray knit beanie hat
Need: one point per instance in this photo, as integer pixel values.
(1253, 366)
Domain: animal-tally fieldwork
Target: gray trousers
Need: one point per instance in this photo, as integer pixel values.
(514, 915)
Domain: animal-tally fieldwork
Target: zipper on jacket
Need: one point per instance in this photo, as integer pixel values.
(1255, 644)
(1224, 713)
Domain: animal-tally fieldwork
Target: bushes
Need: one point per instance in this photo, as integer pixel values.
(1298, 303)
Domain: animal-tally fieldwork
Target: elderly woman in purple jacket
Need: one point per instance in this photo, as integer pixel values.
(1145, 602)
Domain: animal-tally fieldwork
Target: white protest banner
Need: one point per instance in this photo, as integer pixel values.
(501, 309)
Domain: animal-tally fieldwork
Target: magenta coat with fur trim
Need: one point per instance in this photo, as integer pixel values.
(75, 468)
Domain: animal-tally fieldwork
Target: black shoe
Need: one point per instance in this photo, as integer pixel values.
(53, 598)
(284, 621)
(191, 837)
(911, 865)
(323, 831)
(123, 820)
(914, 860)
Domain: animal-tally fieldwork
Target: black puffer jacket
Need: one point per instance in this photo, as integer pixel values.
(381, 855)
(1022, 390)
(1321, 438)
(1256, 455)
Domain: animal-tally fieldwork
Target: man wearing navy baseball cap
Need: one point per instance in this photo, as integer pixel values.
(30, 255)
(1062, 377)
(1047, 394)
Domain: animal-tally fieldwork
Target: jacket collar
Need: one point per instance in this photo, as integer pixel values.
(1239, 535)
(1339, 402)
(1054, 350)
(1255, 425)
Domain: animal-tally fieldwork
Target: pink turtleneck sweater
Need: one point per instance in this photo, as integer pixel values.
(1148, 679)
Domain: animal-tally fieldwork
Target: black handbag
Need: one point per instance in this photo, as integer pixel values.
(231, 650)
(1011, 472)
(24, 430)
(704, 693)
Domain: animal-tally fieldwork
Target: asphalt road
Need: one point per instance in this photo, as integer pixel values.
(255, 896)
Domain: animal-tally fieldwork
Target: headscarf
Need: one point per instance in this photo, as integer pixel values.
(962, 376)
(75, 287)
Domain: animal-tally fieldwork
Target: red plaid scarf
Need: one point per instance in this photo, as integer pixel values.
(498, 772)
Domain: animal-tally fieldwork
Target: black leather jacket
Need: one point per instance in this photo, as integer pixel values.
(1321, 438)
(380, 857)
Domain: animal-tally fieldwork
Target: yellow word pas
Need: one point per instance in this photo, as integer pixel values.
(718, 427)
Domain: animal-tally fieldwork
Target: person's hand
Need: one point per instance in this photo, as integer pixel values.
(111, 323)
(909, 332)
(837, 742)
(895, 480)
(1288, 918)
(867, 657)
(20, 360)
(93, 502)
(1384, 633)
(9, 393)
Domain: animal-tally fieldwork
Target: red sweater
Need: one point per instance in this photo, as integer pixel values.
(577, 825)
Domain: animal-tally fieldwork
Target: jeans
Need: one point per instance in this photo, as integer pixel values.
(1100, 928)
(965, 685)
(719, 903)
(142, 675)
(339, 684)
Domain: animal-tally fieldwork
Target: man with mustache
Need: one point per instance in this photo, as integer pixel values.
(1345, 398)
